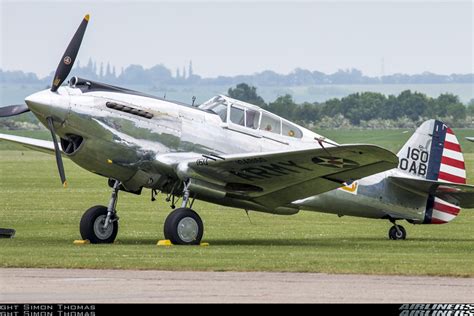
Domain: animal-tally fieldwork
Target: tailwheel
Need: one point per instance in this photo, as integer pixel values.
(397, 232)
(93, 226)
(183, 226)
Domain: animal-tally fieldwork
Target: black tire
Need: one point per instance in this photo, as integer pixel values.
(90, 226)
(393, 234)
(180, 219)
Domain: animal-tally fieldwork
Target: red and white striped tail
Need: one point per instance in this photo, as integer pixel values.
(443, 212)
(452, 168)
(433, 153)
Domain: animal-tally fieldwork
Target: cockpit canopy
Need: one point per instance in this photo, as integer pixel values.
(250, 116)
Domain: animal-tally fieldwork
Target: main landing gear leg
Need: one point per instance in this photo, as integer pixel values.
(397, 232)
(111, 209)
(183, 226)
(99, 224)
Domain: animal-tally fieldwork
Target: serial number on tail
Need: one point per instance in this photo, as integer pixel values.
(416, 161)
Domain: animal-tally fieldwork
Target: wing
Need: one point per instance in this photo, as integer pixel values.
(31, 143)
(279, 178)
(459, 194)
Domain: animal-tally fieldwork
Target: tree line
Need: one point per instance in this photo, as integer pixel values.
(359, 108)
(160, 75)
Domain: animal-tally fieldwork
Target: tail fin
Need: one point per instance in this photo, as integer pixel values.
(433, 153)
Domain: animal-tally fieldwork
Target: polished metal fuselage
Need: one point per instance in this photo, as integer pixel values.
(125, 146)
(372, 197)
(132, 149)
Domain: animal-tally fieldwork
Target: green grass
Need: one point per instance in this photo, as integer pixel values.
(46, 218)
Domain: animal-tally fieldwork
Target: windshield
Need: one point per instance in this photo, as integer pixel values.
(216, 105)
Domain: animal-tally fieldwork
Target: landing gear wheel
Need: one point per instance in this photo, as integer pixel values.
(92, 226)
(183, 226)
(395, 234)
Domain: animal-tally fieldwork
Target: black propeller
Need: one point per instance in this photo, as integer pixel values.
(66, 63)
(57, 153)
(13, 110)
(63, 70)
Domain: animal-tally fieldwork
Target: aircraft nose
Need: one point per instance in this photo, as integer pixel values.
(46, 103)
(38, 102)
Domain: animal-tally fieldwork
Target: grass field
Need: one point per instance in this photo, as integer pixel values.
(46, 218)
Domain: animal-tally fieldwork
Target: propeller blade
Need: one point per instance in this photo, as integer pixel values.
(66, 63)
(57, 153)
(13, 110)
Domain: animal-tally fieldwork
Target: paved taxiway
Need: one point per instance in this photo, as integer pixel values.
(109, 286)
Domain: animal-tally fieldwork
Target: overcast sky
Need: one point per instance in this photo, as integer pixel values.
(244, 37)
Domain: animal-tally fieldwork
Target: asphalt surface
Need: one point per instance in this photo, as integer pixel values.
(131, 286)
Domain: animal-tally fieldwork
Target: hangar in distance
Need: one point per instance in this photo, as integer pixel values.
(235, 154)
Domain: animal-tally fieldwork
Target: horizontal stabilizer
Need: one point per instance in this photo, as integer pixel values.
(459, 194)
